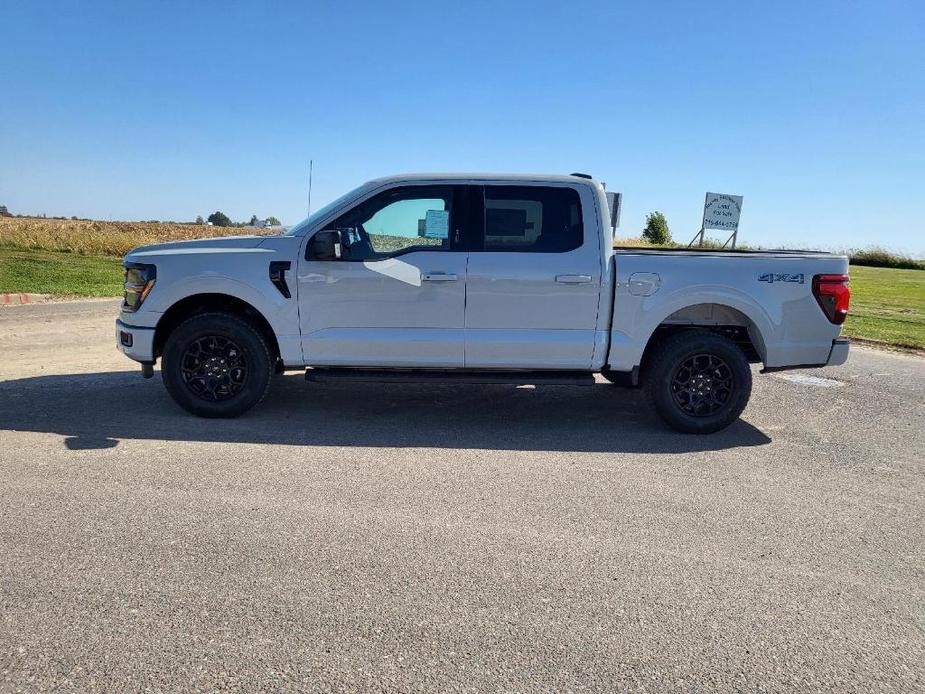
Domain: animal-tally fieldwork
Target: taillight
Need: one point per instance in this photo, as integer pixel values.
(833, 295)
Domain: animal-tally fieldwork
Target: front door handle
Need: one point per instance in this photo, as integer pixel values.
(439, 277)
(573, 279)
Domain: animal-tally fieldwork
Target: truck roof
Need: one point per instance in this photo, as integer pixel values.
(539, 178)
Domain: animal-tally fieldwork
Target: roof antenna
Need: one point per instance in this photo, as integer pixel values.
(310, 166)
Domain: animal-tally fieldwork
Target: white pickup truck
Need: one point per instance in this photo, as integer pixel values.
(477, 278)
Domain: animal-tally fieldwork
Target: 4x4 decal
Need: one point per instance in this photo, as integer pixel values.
(772, 277)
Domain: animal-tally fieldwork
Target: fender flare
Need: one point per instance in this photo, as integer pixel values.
(264, 303)
(631, 346)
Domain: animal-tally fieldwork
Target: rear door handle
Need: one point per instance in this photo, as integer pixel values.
(439, 276)
(573, 279)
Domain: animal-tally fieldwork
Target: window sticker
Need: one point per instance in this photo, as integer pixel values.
(437, 224)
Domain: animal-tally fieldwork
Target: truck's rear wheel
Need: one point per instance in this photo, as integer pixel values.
(699, 382)
(216, 365)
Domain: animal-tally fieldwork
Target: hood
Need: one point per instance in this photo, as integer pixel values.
(216, 244)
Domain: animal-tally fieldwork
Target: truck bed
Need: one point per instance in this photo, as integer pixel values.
(766, 292)
(771, 253)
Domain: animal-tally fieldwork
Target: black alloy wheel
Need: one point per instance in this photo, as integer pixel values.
(214, 368)
(698, 381)
(216, 365)
(702, 385)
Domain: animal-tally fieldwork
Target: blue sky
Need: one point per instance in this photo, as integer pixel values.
(814, 111)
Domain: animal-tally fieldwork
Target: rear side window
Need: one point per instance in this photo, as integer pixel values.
(532, 219)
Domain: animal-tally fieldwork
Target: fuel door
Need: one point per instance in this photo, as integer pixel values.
(644, 283)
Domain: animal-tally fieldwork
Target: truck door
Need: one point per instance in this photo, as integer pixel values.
(534, 278)
(396, 296)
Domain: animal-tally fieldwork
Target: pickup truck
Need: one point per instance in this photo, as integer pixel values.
(477, 278)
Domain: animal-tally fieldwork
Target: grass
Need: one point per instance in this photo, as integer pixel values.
(49, 272)
(887, 305)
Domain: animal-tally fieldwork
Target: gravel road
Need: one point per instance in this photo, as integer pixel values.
(437, 538)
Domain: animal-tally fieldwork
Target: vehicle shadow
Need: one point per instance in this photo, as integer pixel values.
(95, 410)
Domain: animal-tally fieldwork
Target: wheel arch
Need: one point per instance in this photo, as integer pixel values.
(716, 317)
(213, 302)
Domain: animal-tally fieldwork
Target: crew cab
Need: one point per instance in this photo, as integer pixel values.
(477, 278)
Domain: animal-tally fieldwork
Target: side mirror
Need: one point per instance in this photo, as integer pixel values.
(325, 245)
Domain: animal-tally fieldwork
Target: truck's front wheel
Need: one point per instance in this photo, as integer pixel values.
(216, 365)
(699, 382)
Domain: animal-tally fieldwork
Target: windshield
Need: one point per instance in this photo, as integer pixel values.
(323, 212)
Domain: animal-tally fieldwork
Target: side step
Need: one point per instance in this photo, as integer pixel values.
(554, 378)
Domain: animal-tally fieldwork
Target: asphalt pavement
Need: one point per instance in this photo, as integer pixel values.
(346, 537)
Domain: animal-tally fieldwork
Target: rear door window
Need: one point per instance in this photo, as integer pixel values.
(532, 219)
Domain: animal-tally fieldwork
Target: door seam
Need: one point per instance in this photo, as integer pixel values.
(466, 311)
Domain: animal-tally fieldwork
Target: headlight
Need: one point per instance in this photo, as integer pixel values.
(139, 279)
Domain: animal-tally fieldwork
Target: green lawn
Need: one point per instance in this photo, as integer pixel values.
(49, 272)
(887, 305)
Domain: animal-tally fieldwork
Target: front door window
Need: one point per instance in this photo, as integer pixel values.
(399, 221)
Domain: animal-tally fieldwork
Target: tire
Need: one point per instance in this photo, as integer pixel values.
(698, 382)
(216, 365)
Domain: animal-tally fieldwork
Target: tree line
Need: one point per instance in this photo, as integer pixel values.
(220, 219)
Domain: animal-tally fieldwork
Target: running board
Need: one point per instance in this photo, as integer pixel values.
(553, 378)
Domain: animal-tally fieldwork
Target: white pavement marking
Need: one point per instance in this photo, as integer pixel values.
(806, 380)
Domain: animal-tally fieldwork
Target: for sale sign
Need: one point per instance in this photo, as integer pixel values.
(722, 211)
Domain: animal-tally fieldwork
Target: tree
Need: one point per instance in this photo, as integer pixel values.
(253, 221)
(199, 219)
(220, 219)
(656, 231)
(274, 222)
(4, 212)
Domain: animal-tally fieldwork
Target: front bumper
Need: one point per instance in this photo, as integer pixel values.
(135, 343)
(839, 353)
